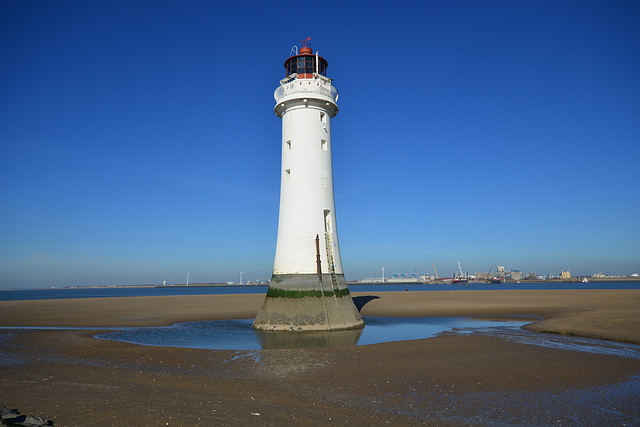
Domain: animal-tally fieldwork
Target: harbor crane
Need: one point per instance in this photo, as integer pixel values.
(460, 269)
(434, 269)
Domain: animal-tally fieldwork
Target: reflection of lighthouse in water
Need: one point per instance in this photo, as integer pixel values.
(308, 290)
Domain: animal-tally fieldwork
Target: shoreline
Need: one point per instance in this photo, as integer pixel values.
(355, 282)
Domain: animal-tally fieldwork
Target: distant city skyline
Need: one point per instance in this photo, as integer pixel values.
(139, 141)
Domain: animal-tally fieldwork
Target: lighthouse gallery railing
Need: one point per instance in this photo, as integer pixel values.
(310, 86)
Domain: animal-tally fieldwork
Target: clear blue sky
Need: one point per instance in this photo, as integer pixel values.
(138, 139)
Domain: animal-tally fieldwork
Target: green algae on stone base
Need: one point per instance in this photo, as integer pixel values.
(287, 293)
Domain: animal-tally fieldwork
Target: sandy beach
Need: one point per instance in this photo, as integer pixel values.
(71, 378)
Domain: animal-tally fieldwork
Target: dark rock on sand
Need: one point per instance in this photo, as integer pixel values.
(11, 417)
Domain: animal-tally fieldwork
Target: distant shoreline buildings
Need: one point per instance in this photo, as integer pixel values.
(497, 274)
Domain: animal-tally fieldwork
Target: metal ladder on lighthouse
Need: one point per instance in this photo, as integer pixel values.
(332, 267)
(332, 271)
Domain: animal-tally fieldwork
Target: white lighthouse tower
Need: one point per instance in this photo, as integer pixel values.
(308, 290)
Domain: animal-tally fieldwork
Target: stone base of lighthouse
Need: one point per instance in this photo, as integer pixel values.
(301, 302)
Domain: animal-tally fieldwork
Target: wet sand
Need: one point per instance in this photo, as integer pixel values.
(73, 379)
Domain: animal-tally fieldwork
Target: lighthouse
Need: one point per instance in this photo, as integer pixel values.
(308, 290)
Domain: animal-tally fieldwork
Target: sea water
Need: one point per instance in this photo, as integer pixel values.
(140, 291)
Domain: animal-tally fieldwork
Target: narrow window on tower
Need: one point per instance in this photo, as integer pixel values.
(323, 144)
(287, 174)
(288, 145)
(327, 221)
(323, 117)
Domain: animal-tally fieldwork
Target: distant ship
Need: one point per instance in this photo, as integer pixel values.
(459, 278)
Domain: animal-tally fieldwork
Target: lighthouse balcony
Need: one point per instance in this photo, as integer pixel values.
(306, 87)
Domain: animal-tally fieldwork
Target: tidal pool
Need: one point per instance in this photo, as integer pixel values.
(239, 335)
